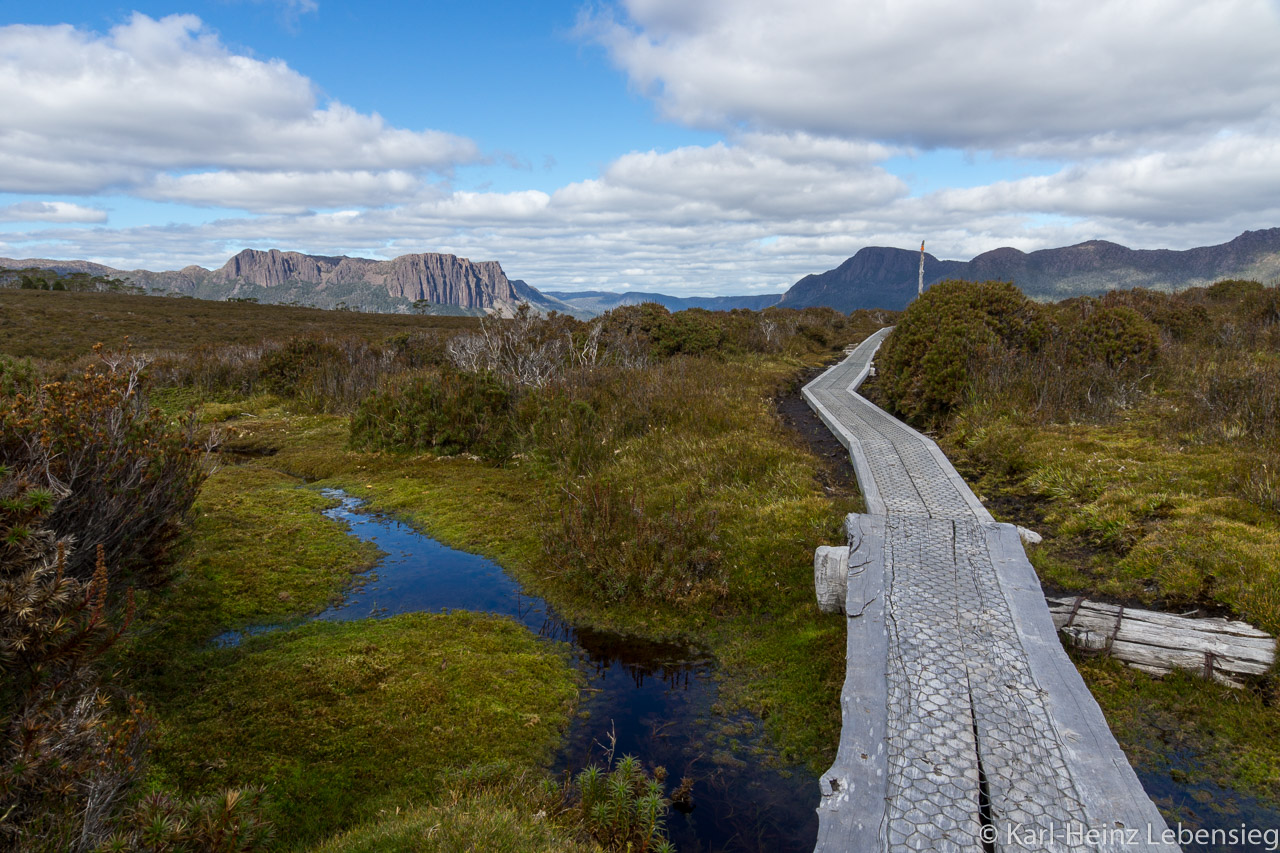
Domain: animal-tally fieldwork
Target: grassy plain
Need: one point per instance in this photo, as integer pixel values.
(360, 732)
(58, 325)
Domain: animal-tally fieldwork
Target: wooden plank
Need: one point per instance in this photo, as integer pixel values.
(1112, 795)
(1189, 638)
(854, 789)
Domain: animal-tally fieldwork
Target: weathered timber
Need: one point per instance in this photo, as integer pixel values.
(965, 725)
(1225, 650)
(830, 577)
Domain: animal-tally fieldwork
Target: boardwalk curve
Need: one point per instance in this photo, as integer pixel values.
(965, 725)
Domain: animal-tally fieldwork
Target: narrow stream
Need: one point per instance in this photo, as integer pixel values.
(658, 700)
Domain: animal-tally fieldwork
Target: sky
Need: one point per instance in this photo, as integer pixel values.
(690, 147)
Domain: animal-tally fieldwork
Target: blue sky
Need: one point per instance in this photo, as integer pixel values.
(714, 147)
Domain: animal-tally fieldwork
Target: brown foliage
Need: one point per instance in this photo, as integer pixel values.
(127, 475)
(70, 751)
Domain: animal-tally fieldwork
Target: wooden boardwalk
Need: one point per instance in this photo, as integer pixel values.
(965, 725)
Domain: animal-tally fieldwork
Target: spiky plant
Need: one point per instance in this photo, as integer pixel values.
(625, 808)
(70, 751)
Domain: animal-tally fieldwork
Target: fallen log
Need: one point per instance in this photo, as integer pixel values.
(1222, 649)
(1225, 650)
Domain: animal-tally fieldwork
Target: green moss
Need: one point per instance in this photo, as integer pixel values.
(1228, 736)
(341, 720)
(261, 554)
(482, 820)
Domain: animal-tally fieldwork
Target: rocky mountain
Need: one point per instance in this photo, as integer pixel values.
(600, 301)
(879, 277)
(876, 277)
(439, 283)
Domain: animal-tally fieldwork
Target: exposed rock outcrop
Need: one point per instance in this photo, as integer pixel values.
(457, 285)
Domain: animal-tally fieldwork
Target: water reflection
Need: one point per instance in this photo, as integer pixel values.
(655, 700)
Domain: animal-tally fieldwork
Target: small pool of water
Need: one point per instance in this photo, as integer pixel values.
(1199, 804)
(656, 701)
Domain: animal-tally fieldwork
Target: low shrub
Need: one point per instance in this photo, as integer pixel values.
(17, 376)
(283, 371)
(445, 412)
(320, 372)
(926, 365)
(1107, 337)
(1236, 396)
(1233, 290)
(230, 822)
(1177, 317)
(624, 808)
(67, 757)
(71, 757)
(129, 475)
(563, 429)
(611, 544)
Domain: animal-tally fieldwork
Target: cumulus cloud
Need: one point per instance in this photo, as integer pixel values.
(751, 215)
(155, 98)
(1043, 75)
(1222, 177)
(284, 191)
(50, 211)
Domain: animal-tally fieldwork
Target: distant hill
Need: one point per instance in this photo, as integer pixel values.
(600, 301)
(880, 277)
(438, 283)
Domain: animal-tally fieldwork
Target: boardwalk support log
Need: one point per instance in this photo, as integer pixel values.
(1224, 650)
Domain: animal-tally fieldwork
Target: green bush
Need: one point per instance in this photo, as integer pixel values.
(1233, 290)
(563, 429)
(1113, 337)
(664, 334)
(1175, 315)
(283, 371)
(926, 365)
(444, 412)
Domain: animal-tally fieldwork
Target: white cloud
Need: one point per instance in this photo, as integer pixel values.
(753, 216)
(50, 211)
(284, 191)
(993, 75)
(156, 97)
(1161, 109)
(1225, 176)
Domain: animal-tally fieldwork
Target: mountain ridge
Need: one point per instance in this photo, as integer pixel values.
(440, 281)
(874, 277)
(883, 277)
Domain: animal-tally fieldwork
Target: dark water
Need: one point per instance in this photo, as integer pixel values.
(1192, 804)
(656, 701)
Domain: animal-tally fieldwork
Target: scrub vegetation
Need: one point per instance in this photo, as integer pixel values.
(1137, 432)
(632, 470)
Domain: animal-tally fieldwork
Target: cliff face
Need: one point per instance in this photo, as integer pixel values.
(451, 284)
(878, 277)
(442, 279)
